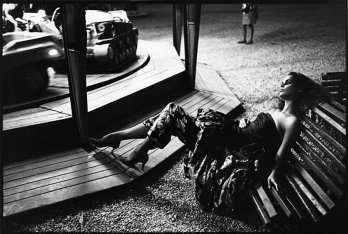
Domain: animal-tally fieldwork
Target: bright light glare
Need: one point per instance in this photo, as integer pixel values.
(53, 52)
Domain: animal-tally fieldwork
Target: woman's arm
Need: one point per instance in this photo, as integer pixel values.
(292, 131)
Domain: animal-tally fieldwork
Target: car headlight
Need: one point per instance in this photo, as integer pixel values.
(53, 52)
(101, 27)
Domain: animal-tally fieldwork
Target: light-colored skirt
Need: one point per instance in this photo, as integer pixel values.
(249, 18)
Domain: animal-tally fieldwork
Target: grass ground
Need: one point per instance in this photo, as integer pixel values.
(306, 38)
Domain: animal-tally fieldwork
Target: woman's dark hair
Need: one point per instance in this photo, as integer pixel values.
(311, 93)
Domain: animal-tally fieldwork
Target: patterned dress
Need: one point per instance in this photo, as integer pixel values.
(220, 156)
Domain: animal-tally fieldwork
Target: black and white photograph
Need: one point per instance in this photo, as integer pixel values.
(133, 116)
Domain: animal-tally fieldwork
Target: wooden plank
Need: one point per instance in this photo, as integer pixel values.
(288, 193)
(17, 114)
(87, 166)
(329, 120)
(35, 173)
(210, 81)
(325, 150)
(310, 210)
(65, 194)
(332, 186)
(228, 106)
(109, 94)
(56, 103)
(281, 201)
(259, 208)
(108, 169)
(48, 170)
(325, 135)
(37, 118)
(311, 182)
(192, 98)
(333, 112)
(44, 161)
(338, 105)
(91, 167)
(127, 83)
(319, 161)
(32, 119)
(309, 195)
(7, 167)
(111, 157)
(265, 200)
(331, 83)
(334, 75)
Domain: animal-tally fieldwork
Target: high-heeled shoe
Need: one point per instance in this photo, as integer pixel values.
(102, 143)
(130, 162)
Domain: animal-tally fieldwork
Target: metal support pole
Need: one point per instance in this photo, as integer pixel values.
(177, 11)
(75, 42)
(192, 34)
(1, 100)
(186, 44)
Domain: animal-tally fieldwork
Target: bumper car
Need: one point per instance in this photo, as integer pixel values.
(27, 59)
(111, 38)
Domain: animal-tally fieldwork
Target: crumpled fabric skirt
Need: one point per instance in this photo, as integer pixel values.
(222, 179)
(173, 120)
(221, 176)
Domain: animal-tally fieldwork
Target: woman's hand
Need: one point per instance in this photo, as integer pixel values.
(243, 122)
(272, 179)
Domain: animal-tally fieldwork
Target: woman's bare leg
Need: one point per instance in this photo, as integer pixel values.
(139, 154)
(113, 139)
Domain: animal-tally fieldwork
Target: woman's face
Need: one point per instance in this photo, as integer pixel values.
(288, 90)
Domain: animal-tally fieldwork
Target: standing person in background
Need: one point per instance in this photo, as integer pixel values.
(249, 18)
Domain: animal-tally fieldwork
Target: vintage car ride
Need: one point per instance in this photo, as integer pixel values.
(27, 57)
(111, 38)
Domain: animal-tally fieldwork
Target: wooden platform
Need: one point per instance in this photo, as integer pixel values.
(64, 175)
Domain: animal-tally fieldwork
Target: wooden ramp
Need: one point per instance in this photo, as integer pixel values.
(208, 80)
(57, 177)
